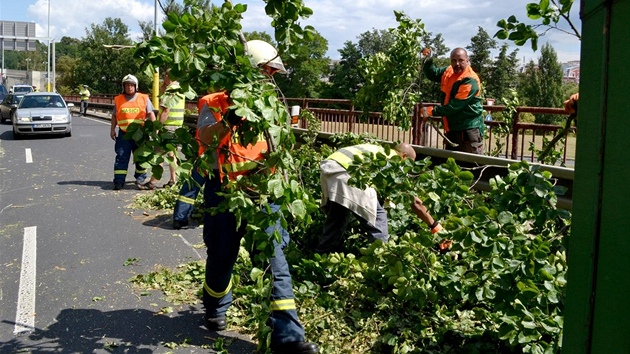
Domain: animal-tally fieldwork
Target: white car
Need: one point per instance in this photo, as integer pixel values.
(42, 113)
(23, 89)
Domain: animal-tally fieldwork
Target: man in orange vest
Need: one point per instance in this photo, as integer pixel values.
(130, 107)
(190, 189)
(461, 107)
(221, 234)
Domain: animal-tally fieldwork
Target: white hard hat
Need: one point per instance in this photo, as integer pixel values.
(130, 79)
(263, 53)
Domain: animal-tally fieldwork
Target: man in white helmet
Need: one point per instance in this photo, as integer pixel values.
(130, 107)
(220, 232)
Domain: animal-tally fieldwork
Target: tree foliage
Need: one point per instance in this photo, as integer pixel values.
(550, 15)
(103, 68)
(306, 66)
(499, 289)
(375, 41)
(345, 76)
(541, 84)
(204, 50)
(502, 75)
(479, 53)
(391, 77)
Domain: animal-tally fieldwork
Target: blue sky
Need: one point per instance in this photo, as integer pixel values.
(336, 20)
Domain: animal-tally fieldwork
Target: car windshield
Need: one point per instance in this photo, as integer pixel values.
(17, 99)
(22, 89)
(42, 101)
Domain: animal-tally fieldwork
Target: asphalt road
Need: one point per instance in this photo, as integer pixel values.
(65, 236)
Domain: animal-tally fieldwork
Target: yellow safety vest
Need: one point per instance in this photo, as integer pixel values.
(85, 94)
(176, 113)
(345, 156)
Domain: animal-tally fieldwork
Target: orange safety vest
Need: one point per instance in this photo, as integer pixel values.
(218, 104)
(449, 78)
(134, 111)
(234, 159)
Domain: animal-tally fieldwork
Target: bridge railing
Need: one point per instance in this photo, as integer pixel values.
(340, 116)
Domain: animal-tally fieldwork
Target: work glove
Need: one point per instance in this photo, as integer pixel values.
(427, 112)
(232, 118)
(570, 105)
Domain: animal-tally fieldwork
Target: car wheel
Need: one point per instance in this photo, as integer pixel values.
(68, 134)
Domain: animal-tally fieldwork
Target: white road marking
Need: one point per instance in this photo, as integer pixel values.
(29, 155)
(96, 120)
(25, 317)
(189, 245)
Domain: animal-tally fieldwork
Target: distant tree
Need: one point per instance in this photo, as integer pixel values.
(436, 43)
(67, 46)
(263, 36)
(503, 74)
(66, 82)
(528, 84)
(345, 78)
(103, 68)
(479, 51)
(541, 84)
(306, 65)
(550, 82)
(146, 28)
(375, 41)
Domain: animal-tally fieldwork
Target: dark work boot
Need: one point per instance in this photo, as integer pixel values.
(295, 348)
(177, 225)
(216, 323)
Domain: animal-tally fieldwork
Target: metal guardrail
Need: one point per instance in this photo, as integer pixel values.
(483, 167)
(339, 116)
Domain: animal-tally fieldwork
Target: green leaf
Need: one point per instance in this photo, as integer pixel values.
(256, 274)
(276, 188)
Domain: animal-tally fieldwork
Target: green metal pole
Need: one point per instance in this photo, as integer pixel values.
(596, 312)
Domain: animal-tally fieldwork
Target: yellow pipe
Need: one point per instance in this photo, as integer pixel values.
(156, 89)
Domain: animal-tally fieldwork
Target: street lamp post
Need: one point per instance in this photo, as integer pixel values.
(28, 60)
(48, 88)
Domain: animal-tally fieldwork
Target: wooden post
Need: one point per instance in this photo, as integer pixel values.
(515, 122)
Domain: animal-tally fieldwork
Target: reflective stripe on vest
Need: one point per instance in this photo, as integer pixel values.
(240, 159)
(132, 111)
(345, 156)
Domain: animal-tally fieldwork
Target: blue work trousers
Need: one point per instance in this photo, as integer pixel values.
(187, 196)
(337, 219)
(223, 241)
(124, 148)
(84, 106)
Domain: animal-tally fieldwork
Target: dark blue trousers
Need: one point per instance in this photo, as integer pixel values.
(187, 196)
(223, 241)
(124, 149)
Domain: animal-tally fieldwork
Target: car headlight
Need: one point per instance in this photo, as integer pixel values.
(24, 119)
(60, 118)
